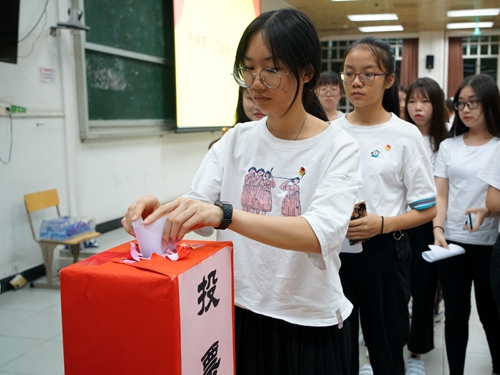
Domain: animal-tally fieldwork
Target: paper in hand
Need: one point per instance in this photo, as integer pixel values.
(149, 236)
(437, 252)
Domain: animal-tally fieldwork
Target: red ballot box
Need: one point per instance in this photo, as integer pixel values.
(155, 316)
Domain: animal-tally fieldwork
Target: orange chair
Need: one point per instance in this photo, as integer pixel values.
(43, 200)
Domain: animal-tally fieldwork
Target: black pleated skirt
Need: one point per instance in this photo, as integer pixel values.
(268, 346)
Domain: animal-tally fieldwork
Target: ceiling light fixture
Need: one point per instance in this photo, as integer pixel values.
(474, 12)
(372, 17)
(469, 25)
(380, 29)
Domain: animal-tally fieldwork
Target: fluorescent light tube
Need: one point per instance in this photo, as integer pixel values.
(372, 17)
(380, 29)
(474, 12)
(469, 25)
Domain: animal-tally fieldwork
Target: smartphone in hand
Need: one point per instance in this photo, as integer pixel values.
(358, 212)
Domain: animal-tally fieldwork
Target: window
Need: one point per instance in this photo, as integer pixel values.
(480, 55)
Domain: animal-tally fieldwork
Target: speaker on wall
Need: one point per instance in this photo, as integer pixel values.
(429, 61)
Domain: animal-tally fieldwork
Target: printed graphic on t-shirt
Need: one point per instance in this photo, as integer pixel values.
(257, 195)
(291, 202)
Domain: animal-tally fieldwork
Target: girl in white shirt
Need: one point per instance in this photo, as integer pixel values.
(291, 309)
(426, 109)
(476, 129)
(490, 173)
(397, 173)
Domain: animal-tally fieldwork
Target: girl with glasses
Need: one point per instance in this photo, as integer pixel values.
(462, 199)
(397, 173)
(425, 108)
(290, 313)
(329, 92)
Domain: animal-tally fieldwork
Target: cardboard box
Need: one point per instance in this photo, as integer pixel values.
(153, 317)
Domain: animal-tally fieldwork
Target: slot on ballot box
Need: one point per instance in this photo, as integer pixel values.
(155, 316)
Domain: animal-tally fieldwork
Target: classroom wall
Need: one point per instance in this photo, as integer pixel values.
(434, 43)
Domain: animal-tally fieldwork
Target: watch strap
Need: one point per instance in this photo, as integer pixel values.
(227, 217)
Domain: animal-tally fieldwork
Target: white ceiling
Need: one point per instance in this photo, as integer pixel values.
(330, 18)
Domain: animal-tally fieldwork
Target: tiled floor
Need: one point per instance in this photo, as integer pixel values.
(31, 338)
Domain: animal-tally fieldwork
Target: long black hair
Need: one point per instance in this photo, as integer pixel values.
(488, 95)
(292, 40)
(430, 90)
(240, 115)
(383, 55)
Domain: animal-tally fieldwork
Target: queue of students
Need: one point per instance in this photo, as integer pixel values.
(298, 300)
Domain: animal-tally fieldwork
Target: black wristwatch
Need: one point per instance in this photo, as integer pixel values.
(227, 209)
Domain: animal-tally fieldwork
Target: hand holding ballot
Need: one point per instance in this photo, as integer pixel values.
(184, 215)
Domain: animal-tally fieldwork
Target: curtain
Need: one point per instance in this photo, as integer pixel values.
(455, 65)
(409, 62)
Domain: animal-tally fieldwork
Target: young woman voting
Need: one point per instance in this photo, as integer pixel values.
(290, 312)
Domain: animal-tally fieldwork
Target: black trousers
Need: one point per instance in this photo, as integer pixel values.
(456, 276)
(495, 272)
(268, 346)
(376, 282)
(423, 286)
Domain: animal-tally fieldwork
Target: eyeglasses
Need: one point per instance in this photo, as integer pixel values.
(460, 106)
(363, 77)
(269, 77)
(323, 91)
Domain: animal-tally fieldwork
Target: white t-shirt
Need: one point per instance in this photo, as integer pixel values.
(397, 172)
(490, 172)
(460, 163)
(430, 150)
(317, 178)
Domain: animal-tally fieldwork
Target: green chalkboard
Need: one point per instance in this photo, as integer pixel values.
(121, 88)
(142, 26)
(130, 88)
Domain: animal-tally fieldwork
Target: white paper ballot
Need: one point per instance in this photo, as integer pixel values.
(346, 248)
(437, 252)
(149, 236)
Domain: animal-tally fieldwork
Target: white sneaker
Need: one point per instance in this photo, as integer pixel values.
(415, 367)
(366, 369)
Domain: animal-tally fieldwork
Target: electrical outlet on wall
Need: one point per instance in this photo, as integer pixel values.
(4, 109)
